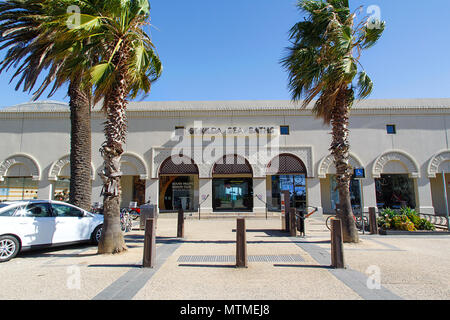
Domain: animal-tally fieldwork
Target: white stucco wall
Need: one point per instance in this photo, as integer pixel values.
(422, 131)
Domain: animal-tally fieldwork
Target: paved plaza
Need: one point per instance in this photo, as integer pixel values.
(201, 266)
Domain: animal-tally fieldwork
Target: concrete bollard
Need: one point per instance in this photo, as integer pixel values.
(241, 244)
(337, 245)
(149, 244)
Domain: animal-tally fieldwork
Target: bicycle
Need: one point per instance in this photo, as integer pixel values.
(359, 222)
(126, 223)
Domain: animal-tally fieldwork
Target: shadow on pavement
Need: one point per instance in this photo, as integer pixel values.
(303, 266)
(114, 266)
(207, 265)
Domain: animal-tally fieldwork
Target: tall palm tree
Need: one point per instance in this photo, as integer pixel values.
(31, 32)
(128, 66)
(322, 63)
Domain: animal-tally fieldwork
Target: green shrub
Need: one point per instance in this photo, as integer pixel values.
(407, 219)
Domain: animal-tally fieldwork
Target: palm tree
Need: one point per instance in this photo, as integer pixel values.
(322, 62)
(30, 31)
(128, 66)
(108, 48)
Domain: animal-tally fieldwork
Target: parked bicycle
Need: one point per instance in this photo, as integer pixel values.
(126, 222)
(361, 222)
(97, 208)
(134, 210)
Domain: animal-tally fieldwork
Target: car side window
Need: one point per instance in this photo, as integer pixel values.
(38, 210)
(10, 212)
(61, 210)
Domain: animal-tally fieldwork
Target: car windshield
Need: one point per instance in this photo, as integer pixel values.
(2, 205)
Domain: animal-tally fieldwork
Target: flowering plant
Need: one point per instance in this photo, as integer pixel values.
(406, 219)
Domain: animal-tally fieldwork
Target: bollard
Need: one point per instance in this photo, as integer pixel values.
(180, 228)
(373, 221)
(292, 227)
(301, 223)
(149, 244)
(337, 246)
(285, 207)
(241, 244)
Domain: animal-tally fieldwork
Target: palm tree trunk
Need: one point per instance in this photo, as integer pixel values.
(80, 146)
(340, 149)
(112, 240)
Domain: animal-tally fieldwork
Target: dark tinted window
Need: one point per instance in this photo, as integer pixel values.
(61, 210)
(390, 128)
(38, 210)
(284, 130)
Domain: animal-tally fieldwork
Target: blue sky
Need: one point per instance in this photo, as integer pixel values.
(230, 50)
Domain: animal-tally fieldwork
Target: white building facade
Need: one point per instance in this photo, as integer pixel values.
(238, 156)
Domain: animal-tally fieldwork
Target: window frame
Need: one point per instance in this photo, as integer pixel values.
(285, 127)
(55, 214)
(179, 130)
(391, 129)
(49, 209)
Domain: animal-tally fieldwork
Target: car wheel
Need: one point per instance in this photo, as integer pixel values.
(9, 248)
(96, 235)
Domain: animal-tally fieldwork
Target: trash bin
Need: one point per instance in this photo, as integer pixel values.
(148, 211)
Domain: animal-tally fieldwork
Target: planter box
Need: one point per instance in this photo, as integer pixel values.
(419, 232)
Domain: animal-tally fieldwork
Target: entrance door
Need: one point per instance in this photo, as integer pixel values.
(233, 194)
(295, 184)
(355, 194)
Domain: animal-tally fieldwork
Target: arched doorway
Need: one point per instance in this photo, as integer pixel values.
(329, 191)
(232, 184)
(286, 172)
(395, 174)
(59, 174)
(134, 173)
(19, 178)
(178, 184)
(439, 174)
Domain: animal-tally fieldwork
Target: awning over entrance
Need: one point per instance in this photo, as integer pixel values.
(232, 164)
(178, 165)
(286, 164)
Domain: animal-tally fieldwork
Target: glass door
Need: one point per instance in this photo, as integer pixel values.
(233, 194)
(295, 184)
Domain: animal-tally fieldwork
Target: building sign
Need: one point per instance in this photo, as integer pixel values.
(183, 185)
(359, 173)
(231, 130)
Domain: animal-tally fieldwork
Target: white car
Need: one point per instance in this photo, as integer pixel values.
(43, 223)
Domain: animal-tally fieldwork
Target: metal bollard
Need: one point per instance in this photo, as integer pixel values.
(337, 245)
(241, 244)
(301, 223)
(292, 228)
(149, 244)
(180, 228)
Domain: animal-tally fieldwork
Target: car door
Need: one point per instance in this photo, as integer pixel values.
(36, 224)
(71, 223)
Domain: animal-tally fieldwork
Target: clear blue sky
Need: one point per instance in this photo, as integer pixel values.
(230, 50)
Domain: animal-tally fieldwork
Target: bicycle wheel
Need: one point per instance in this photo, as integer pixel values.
(129, 224)
(134, 214)
(328, 222)
(359, 222)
